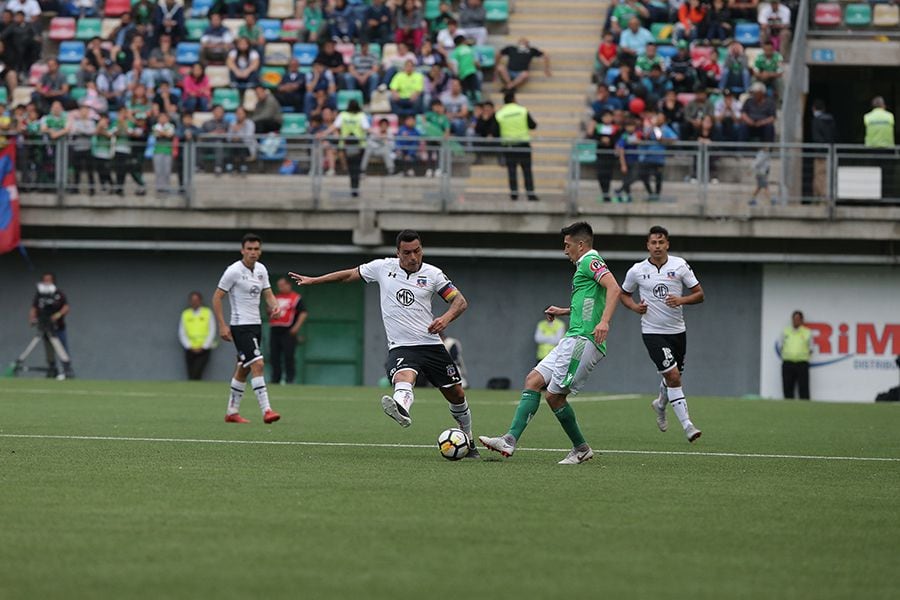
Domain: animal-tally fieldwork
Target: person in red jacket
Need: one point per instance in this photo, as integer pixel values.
(283, 331)
(691, 17)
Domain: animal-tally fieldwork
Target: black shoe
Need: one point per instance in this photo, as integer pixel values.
(52, 373)
(514, 197)
(473, 452)
(532, 198)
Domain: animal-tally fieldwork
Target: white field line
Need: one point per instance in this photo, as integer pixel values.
(104, 438)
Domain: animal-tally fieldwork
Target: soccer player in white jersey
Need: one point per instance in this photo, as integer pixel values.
(408, 285)
(244, 281)
(661, 280)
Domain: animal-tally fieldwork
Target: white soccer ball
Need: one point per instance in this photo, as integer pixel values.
(453, 444)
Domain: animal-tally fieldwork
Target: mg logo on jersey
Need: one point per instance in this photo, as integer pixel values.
(661, 291)
(871, 346)
(254, 290)
(406, 297)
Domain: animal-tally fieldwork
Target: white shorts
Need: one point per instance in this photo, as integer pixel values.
(567, 368)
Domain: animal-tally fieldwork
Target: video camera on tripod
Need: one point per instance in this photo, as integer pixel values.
(47, 332)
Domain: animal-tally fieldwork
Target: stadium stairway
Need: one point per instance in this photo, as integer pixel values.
(569, 31)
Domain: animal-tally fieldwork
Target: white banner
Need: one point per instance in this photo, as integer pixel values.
(854, 315)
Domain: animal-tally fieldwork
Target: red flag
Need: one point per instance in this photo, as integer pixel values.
(10, 231)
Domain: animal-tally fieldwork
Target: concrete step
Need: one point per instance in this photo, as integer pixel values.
(548, 29)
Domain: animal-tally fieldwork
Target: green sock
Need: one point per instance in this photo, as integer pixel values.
(566, 416)
(528, 405)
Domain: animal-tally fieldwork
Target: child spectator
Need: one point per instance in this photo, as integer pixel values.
(122, 160)
(94, 100)
(164, 132)
(381, 144)
(196, 91)
(465, 65)
(243, 65)
(408, 145)
(102, 153)
(139, 104)
(242, 136)
(606, 56)
(673, 110)
(437, 125)
(81, 129)
(627, 151)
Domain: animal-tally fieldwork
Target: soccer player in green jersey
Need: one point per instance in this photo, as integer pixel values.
(595, 293)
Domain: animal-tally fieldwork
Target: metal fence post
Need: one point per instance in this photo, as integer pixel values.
(315, 169)
(187, 169)
(702, 159)
(831, 180)
(62, 169)
(445, 163)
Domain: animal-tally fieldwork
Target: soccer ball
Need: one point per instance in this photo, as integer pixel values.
(453, 444)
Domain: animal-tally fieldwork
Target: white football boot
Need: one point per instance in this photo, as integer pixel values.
(660, 411)
(576, 457)
(498, 444)
(395, 411)
(692, 433)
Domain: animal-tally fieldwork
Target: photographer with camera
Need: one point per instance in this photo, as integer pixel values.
(48, 313)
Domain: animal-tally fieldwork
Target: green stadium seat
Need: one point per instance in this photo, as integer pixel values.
(4, 95)
(432, 9)
(88, 28)
(496, 11)
(886, 15)
(662, 32)
(195, 28)
(70, 72)
(77, 93)
(271, 76)
(229, 98)
(586, 152)
(487, 56)
(858, 15)
(345, 96)
(293, 124)
(374, 49)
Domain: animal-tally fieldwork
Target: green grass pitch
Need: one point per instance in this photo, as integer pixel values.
(345, 514)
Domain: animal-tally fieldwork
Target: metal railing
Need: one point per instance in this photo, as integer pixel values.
(465, 175)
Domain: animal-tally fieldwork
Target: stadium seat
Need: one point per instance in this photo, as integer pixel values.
(4, 95)
(218, 76)
(290, 30)
(271, 76)
(611, 74)
(392, 119)
(62, 28)
(662, 32)
(281, 9)
(828, 14)
(195, 28)
(747, 34)
(229, 98)
(496, 11)
(346, 51)
(200, 8)
(306, 53)
(586, 152)
(202, 117)
(107, 26)
(700, 54)
(345, 96)
(271, 29)
(36, 71)
(77, 93)
(187, 53)
(272, 148)
(858, 15)
(389, 51)
(115, 8)
(278, 54)
(432, 9)
(293, 124)
(685, 98)
(233, 25)
(22, 95)
(88, 28)
(886, 15)
(70, 72)
(71, 52)
(250, 100)
(751, 54)
(374, 49)
(487, 56)
(666, 51)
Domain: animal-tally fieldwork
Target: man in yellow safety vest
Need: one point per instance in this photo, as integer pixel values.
(513, 125)
(548, 334)
(197, 334)
(796, 348)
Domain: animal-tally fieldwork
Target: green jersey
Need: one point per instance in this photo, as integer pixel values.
(765, 64)
(465, 60)
(436, 125)
(588, 297)
(644, 63)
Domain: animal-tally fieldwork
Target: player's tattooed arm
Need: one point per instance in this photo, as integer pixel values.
(457, 307)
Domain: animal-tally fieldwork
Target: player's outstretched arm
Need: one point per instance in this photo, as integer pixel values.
(628, 302)
(345, 276)
(458, 306)
(613, 293)
(224, 329)
(695, 297)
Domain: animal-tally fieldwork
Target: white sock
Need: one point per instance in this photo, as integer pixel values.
(403, 394)
(463, 416)
(237, 393)
(663, 396)
(679, 405)
(262, 393)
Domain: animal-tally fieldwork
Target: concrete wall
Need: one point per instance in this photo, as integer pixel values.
(125, 308)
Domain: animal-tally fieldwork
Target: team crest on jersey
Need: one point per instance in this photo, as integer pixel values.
(451, 371)
(670, 274)
(421, 281)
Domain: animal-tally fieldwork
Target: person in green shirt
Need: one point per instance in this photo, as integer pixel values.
(566, 369)
(102, 151)
(437, 125)
(466, 67)
(164, 133)
(253, 32)
(312, 20)
(769, 69)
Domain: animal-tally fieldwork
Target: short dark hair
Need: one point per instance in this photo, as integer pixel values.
(581, 230)
(658, 230)
(49, 274)
(460, 39)
(195, 293)
(797, 313)
(407, 235)
(818, 104)
(250, 237)
(509, 97)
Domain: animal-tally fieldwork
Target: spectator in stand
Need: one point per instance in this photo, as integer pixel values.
(164, 101)
(758, 115)
(406, 91)
(22, 41)
(112, 84)
(251, 30)
(437, 125)
(728, 116)
(627, 78)
(393, 65)
(627, 151)
(135, 49)
(633, 41)
(168, 19)
(243, 66)
(292, 89)
(656, 84)
(455, 106)
(769, 69)
(81, 128)
(362, 73)
(378, 21)
(229, 8)
(775, 24)
(267, 116)
(122, 34)
(214, 132)
(313, 19)
(650, 59)
(473, 20)
(691, 21)
(486, 124)
(747, 10)
(694, 112)
(138, 76)
(318, 102)
(681, 69)
(446, 38)
(187, 133)
(652, 160)
(139, 103)
(102, 153)
(673, 111)
(380, 143)
(51, 88)
(465, 64)
(242, 137)
(516, 61)
(31, 9)
(429, 55)
(436, 83)
(605, 133)
(122, 153)
(340, 20)
(735, 70)
(445, 14)
(95, 102)
(319, 80)
(621, 13)
(95, 54)
(85, 73)
(196, 91)
(718, 22)
(606, 56)
(408, 145)
(824, 131)
(707, 134)
(410, 25)
(142, 12)
(216, 41)
(164, 132)
(604, 102)
(332, 60)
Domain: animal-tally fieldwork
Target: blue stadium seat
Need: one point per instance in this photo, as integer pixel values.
(747, 34)
(666, 51)
(271, 29)
(272, 148)
(306, 53)
(71, 52)
(187, 53)
(200, 8)
(611, 74)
